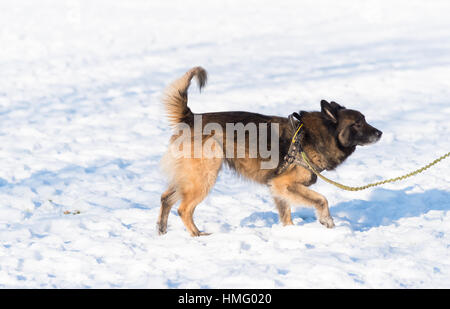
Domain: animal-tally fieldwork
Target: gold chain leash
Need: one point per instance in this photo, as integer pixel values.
(348, 188)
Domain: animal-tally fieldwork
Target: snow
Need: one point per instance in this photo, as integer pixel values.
(81, 129)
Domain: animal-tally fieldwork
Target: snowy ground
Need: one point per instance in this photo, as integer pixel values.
(81, 130)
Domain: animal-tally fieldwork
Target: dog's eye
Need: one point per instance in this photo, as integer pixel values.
(358, 124)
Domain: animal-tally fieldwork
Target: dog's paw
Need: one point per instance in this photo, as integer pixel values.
(162, 228)
(198, 233)
(327, 221)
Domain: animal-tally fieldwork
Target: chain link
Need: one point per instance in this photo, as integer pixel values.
(348, 188)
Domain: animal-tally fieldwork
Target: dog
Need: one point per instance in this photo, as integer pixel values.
(327, 137)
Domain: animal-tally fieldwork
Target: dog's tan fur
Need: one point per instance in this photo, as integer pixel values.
(328, 138)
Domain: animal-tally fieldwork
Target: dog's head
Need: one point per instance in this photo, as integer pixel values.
(351, 126)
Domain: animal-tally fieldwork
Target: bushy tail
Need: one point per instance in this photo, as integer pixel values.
(176, 95)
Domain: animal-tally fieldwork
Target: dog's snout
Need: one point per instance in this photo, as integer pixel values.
(378, 133)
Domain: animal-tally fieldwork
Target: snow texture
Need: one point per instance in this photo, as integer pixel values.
(82, 130)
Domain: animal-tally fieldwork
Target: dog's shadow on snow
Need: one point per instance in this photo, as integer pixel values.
(384, 207)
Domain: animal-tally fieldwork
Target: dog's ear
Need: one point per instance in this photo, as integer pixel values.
(328, 111)
(336, 106)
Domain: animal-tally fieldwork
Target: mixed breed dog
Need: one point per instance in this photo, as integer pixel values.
(254, 146)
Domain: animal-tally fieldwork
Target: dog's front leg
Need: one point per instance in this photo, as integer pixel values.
(284, 210)
(318, 201)
(286, 187)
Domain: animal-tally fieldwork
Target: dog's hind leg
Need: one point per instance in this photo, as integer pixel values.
(168, 198)
(199, 176)
(186, 211)
(200, 180)
(192, 178)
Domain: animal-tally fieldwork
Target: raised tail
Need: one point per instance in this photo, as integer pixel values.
(176, 95)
